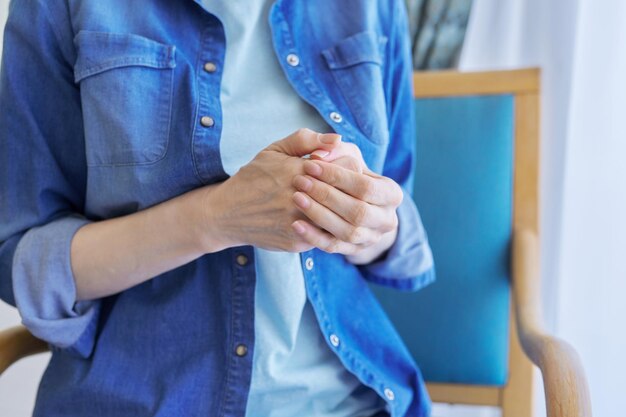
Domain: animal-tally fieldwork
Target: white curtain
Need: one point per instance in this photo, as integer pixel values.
(579, 44)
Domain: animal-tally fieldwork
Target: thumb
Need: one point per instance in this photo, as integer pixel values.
(304, 141)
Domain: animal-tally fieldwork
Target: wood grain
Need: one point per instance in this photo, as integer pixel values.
(455, 83)
(464, 394)
(565, 385)
(17, 343)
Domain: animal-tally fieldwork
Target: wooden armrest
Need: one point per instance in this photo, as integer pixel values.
(565, 385)
(17, 343)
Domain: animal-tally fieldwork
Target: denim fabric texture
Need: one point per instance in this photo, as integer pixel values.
(100, 108)
(294, 371)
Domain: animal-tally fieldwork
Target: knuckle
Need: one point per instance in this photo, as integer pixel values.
(318, 241)
(354, 149)
(322, 192)
(333, 174)
(303, 131)
(353, 164)
(355, 235)
(332, 246)
(375, 238)
(367, 190)
(389, 223)
(395, 191)
(398, 193)
(360, 213)
(337, 246)
(356, 250)
(393, 222)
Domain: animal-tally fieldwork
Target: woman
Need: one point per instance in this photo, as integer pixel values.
(179, 257)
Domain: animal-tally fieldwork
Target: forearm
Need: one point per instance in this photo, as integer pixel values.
(250, 208)
(112, 255)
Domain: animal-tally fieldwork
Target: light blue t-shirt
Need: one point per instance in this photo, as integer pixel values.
(294, 373)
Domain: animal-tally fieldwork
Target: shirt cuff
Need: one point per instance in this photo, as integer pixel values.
(45, 291)
(408, 264)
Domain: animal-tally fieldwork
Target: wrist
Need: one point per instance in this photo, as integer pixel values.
(202, 214)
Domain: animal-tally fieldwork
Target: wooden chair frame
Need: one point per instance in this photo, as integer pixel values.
(566, 389)
(567, 394)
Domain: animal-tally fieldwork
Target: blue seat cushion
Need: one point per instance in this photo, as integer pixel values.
(458, 328)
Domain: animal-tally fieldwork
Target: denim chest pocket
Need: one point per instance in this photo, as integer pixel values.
(356, 65)
(126, 87)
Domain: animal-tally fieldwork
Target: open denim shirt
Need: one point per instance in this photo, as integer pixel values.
(100, 108)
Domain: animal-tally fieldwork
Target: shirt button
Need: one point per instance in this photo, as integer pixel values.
(242, 260)
(207, 121)
(210, 67)
(389, 394)
(336, 117)
(309, 263)
(241, 350)
(334, 340)
(293, 60)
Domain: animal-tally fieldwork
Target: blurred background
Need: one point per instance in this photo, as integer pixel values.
(578, 45)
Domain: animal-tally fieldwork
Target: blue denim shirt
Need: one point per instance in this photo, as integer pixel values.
(100, 108)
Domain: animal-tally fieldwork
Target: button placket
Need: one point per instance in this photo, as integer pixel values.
(210, 67)
(389, 394)
(208, 111)
(293, 60)
(302, 83)
(336, 117)
(307, 88)
(241, 350)
(242, 260)
(309, 264)
(207, 121)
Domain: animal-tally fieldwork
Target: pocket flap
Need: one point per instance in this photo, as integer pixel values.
(101, 51)
(359, 48)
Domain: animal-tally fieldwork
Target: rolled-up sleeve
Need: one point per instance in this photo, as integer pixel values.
(42, 177)
(408, 264)
(44, 289)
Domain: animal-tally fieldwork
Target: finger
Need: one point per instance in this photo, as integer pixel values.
(352, 210)
(378, 190)
(325, 241)
(349, 163)
(304, 141)
(332, 223)
(345, 149)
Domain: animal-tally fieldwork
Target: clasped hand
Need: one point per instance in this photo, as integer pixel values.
(332, 201)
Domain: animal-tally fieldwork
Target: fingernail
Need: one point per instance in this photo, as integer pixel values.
(302, 183)
(299, 229)
(312, 168)
(301, 200)
(330, 138)
(321, 154)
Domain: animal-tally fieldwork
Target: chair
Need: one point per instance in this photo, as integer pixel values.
(477, 190)
(476, 186)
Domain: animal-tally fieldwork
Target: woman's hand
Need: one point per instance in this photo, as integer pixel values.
(254, 206)
(351, 210)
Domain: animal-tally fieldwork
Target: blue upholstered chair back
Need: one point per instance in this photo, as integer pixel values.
(458, 328)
